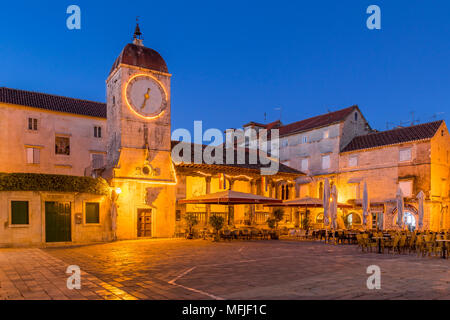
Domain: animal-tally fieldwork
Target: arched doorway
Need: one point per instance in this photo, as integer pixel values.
(352, 220)
(409, 220)
(410, 217)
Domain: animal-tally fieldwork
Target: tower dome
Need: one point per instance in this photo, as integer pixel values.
(135, 54)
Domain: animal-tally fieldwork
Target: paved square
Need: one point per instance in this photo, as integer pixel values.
(199, 269)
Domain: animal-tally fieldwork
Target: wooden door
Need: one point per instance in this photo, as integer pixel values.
(144, 221)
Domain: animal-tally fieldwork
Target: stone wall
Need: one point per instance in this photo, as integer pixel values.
(34, 232)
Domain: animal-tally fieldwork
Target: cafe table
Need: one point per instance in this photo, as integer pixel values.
(444, 247)
(379, 242)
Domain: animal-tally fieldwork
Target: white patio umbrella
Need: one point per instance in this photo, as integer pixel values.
(326, 202)
(380, 220)
(400, 206)
(421, 197)
(334, 207)
(365, 204)
(114, 219)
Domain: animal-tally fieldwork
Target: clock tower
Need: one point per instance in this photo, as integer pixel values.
(139, 163)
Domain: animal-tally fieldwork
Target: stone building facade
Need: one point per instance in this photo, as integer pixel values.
(124, 145)
(412, 158)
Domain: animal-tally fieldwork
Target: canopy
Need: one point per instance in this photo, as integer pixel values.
(230, 197)
(306, 202)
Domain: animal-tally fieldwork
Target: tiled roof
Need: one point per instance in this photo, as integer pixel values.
(52, 102)
(269, 126)
(247, 165)
(316, 122)
(400, 135)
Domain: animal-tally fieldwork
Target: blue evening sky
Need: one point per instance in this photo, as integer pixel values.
(232, 61)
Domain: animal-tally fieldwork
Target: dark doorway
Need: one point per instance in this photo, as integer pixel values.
(58, 227)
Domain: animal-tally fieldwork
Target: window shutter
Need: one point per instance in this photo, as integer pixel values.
(19, 212)
(92, 212)
(30, 155)
(36, 155)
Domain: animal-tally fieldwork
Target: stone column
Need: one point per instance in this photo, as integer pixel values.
(231, 208)
(208, 206)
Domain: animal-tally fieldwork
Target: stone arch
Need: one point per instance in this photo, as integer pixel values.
(352, 219)
(410, 217)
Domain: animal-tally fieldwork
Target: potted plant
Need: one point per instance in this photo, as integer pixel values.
(191, 222)
(217, 223)
(272, 223)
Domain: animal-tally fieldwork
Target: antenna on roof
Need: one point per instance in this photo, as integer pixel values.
(413, 120)
(265, 116)
(435, 115)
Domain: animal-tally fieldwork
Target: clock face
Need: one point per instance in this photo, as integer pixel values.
(146, 96)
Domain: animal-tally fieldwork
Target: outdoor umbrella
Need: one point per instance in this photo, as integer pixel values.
(306, 202)
(400, 205)
(365, 204)
(380, 220)
(334, 207)
(229, 197)
(421, 197)
(326, 202)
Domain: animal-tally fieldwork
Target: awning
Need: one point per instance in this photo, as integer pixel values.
(307, 202)
(230, 197)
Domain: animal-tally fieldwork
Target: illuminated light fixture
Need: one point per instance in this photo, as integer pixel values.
(118, 190)
(128, 104)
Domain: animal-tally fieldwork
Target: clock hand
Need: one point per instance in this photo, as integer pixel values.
(146, 97)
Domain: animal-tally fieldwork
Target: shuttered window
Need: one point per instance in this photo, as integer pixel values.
(19, 212)
(92, 212)
(33, 155)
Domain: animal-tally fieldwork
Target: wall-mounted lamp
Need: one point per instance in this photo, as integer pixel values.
(118, 190)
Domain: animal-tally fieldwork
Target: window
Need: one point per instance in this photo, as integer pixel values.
(62, 145)
(97, 132)
(33, 155)
(326, 162)
(304, 139)
(320, 190)
(405, 154)
(97, 160)
(32, 124)
(304, 165)
(92, 212)
(284, 143)
(326, 134)
(406, 187)
(353, 161)
(19, 212)
(356, 116)
(178, 215)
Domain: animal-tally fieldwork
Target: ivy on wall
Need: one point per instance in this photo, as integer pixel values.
(52, 182)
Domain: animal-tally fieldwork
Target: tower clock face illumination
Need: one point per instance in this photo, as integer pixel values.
(146, 96)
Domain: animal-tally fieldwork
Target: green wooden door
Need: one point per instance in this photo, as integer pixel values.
(58, 222)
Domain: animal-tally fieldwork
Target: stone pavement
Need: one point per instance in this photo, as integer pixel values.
(199, 269)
